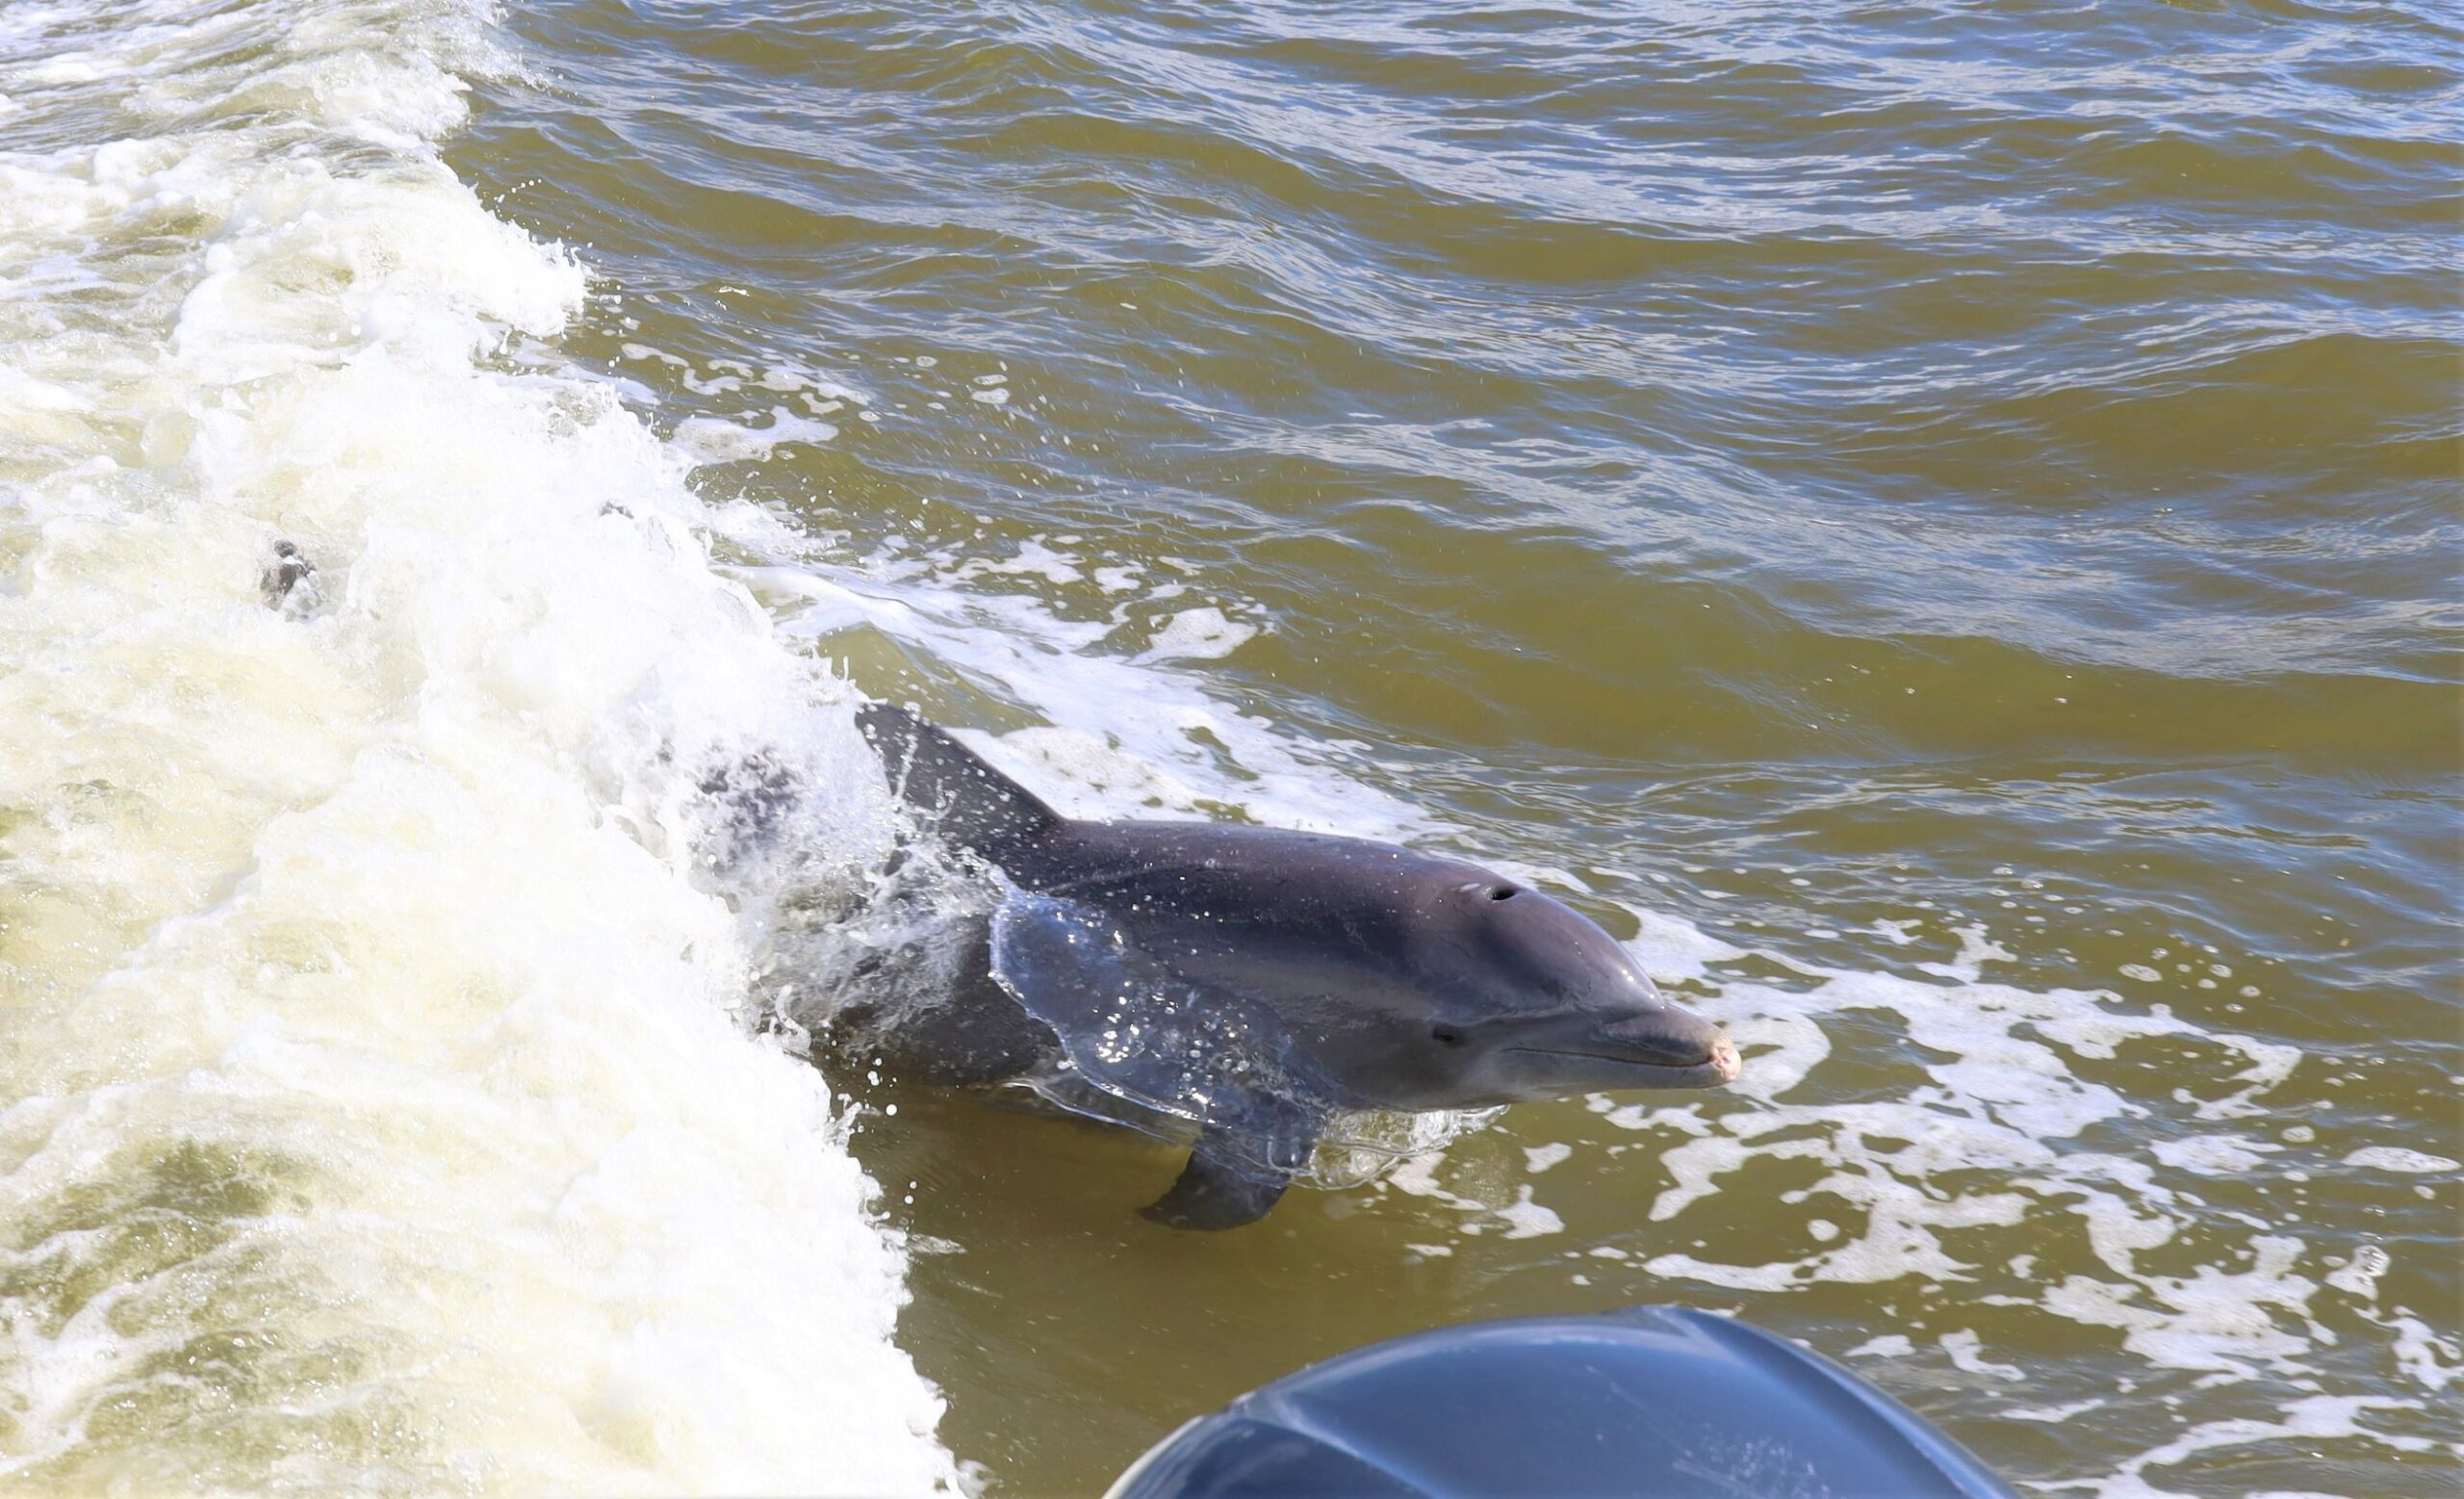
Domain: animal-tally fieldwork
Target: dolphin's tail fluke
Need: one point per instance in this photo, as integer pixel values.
(967, 801)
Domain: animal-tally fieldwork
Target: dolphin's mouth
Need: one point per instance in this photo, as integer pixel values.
(1719, 1064)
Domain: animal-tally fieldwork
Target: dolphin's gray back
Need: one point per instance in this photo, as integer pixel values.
(1260, 889)
(1342, 896)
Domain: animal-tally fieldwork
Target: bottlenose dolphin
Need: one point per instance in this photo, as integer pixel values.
(1254, 980)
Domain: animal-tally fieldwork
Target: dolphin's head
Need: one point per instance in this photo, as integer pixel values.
(1531, 1000)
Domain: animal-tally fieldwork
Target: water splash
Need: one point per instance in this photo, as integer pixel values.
(379, 1118)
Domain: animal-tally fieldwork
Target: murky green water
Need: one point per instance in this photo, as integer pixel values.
(1939, 523)
(1942, 519)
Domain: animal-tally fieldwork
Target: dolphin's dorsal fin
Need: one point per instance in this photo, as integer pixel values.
(972, 804)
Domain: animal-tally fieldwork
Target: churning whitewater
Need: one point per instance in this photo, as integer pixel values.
(379, 1113)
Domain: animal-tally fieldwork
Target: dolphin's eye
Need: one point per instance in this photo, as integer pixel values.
(1446, 1034)
(1503, 892)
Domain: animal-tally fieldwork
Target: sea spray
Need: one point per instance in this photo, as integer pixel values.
(377, 1113)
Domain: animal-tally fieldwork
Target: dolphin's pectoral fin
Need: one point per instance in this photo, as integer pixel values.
(1247, 1153)
(1219, 1189)
(1145, 1045)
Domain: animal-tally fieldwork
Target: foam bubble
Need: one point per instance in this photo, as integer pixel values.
(1537, 1158)
(708, 440)
(2401, 1158)
(2315, 1417)
(2213, 1155)
(1200, 634)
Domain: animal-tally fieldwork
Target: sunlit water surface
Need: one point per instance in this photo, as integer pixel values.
(1939, 524)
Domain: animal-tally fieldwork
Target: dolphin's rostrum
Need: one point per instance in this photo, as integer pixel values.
(1253, 980)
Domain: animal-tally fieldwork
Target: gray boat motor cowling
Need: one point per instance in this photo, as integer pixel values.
(1652, 1400)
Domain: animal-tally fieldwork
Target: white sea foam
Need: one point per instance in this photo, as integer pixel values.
(378, 1117)
(707, 440)
(2401, 1158)
(2213, 1155)
(1200, 634)
(1155, 726)
(2316, 1418)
